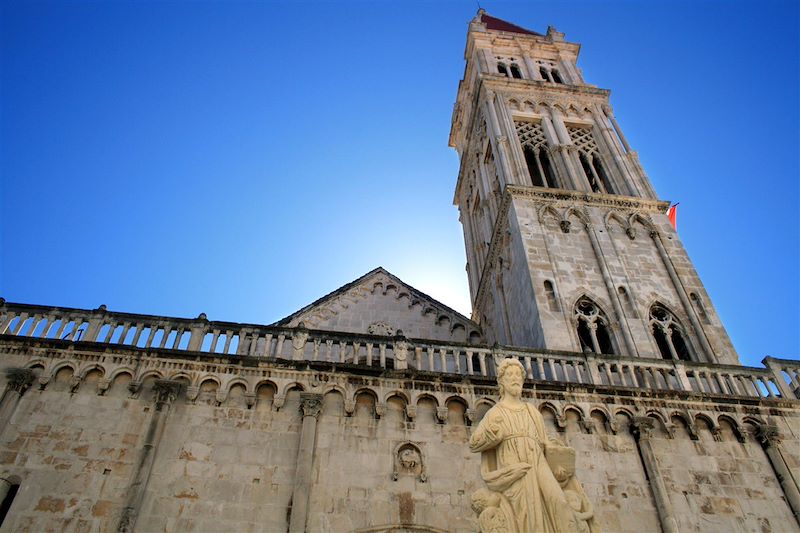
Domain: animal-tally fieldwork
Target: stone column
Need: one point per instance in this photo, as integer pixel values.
(311, 405)
(770, 440)
(165, 391)
(18, 381)
(642, 428)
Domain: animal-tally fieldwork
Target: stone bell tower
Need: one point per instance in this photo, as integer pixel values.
(568, 246)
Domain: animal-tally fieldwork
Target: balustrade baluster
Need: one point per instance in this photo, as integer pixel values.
(431, 366)
(528, 369)
(279, 346)
(342, 352)
(165, 335)
(22, 318)
(154, 329)
(268, 345)
(382, 354)
(8, 318)
(482, 362)
(36, 319)
(228, 339)
(470, 370)
(214, 339)
(47, 327)
(139, 328)
(315, 354)
(551, 366)
(540, 367)
(443, 358)
(369, 354)
(576, 366)
(418, 356)
(457, 357)
(178, 334)
(765, 381)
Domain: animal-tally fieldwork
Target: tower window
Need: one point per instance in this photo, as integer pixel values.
(515, 72)
(549, 290)
(590, 160)
(556, 76)
(592, 327)
(669, 334)
(545, 74)
(537, 156)
(501, 68)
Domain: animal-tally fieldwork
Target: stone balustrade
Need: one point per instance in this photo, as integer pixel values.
(779, 379)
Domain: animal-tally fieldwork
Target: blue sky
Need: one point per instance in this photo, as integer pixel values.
(243, 159)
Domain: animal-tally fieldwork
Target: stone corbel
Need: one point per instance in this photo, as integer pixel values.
(250, 399)
(692, 429)
(716, 432)
(349, 407)
(278, 401)
(73, 383)
(441, 414)
(471, 415)
(411, 411)
(43, 381)
(102, 386)
(192, 392)
(220, 397)
(134, 387)
(588, 426)
(380, 409)
(670, 429)
(561, 423)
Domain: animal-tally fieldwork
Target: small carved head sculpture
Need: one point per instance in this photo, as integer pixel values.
(484, 498)
(510, 376)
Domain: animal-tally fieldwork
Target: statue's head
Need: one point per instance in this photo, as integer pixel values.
(484, 498)
(510, 377)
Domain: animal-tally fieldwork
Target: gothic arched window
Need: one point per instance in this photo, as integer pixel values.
(669, 334)
(590, 160)
(537, 156)
(544, 74)
(556, 76)
(501, 68)
(593, 328)
(515, 71)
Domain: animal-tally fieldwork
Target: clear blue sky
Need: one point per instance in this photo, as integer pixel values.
(243, 159)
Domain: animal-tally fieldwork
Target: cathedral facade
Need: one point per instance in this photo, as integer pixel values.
(355, 413)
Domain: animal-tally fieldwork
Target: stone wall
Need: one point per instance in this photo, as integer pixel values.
(228, 455)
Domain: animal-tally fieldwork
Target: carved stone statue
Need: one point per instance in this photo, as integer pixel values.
(514, 447)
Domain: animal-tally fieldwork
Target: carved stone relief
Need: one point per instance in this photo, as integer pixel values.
(408, 461)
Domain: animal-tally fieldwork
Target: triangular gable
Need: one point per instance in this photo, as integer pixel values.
(380, 303)
(494, 23)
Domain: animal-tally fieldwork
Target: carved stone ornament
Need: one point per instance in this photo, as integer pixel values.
(565, 225)
(408, 461)
(530, 479)
(642, 427)
(380, 328)
(768, 435)
(310, 403)
(299, 339)
(126, 520)
(165, 391)
(19, 379)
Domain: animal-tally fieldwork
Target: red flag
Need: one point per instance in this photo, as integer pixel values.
(672, 213)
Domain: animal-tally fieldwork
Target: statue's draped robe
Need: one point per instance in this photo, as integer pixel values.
(512, 443)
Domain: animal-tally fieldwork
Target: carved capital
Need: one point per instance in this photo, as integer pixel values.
(565, 225)
(165, 391)
(19, 379)
(380, 409)
(768, 435)
(411, 411)
(278, 401)
(349, 407)
(310, 403)
(441, 414)
(642, 427)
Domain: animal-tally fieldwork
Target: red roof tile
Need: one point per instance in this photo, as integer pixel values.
(493, 23)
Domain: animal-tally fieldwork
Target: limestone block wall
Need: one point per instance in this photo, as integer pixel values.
(617, 264)
(228, 455)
